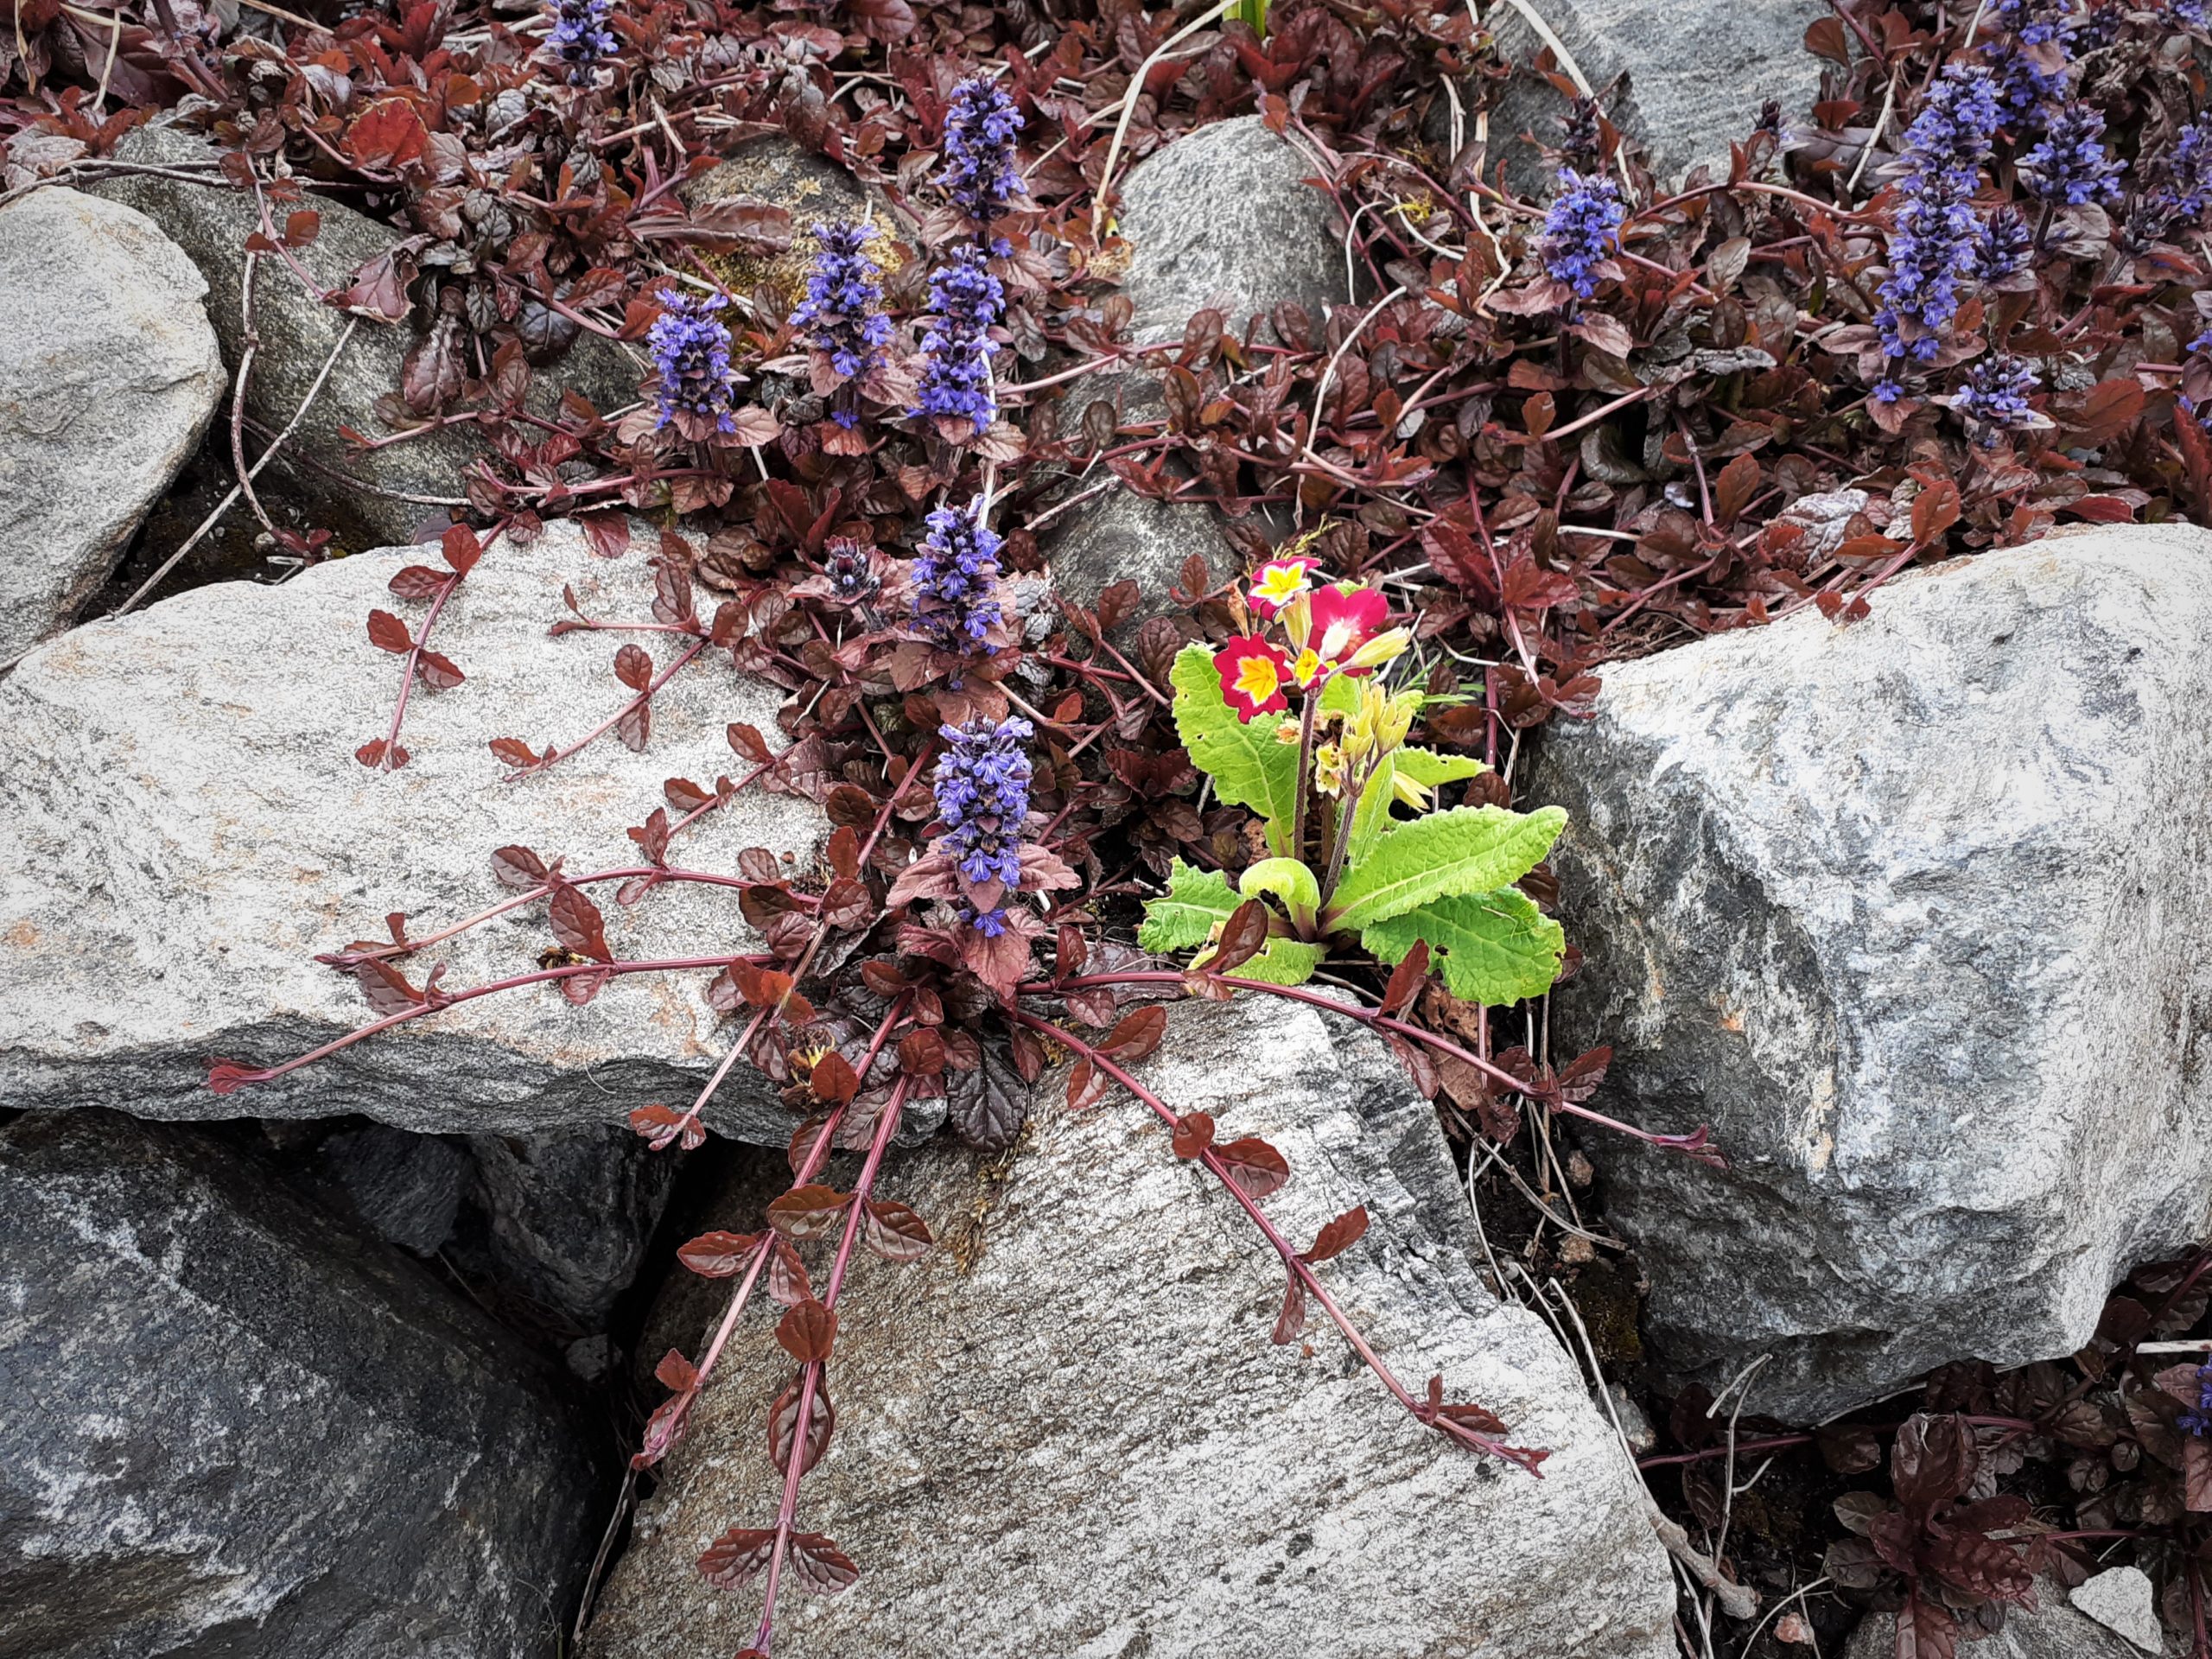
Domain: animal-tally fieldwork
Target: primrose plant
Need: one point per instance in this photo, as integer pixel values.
(1292, 720)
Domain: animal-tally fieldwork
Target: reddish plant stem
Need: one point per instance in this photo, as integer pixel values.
(543, 976)
(1302, 1270)
(393, 953)
(616, 718)
(809, 1384)
(1693, 1145)
(798, 968)
(421, 639)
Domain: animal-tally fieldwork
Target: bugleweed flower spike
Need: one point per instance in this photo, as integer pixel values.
(979, 173)
(957, 577)
(965, 301)
(1581, 230)
(983, 795)
(580, 38)
(691, 350)
(842, 313)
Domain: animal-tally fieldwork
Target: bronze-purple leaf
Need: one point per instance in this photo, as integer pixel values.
(738, 1557)
(1256, 1167)
(783, 1426)
(895, 1231)
(577, 924)
(820, 1566)
(718, 1255)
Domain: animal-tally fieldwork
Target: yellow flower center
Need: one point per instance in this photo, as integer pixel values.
(1256, 678)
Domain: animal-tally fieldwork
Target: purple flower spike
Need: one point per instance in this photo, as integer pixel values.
(983, 795)
(2069, 163)
(979, 173)
(580, 38)
(1934, 250)
(1581, 229)
(1995, 397)
(843, 312)
(956, 578)
(965, 300)
(691, 351)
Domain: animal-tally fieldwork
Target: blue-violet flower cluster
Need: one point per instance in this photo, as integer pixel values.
(2002, 252)
(843, 311)
(979, 173)
(956, 577)
(2069, 164)
(1581, 230)
(2199, 1421)
(965, 300)
(691, 351)
(1934, 249)
(1995, 397)
(983, 795)
(580, 37)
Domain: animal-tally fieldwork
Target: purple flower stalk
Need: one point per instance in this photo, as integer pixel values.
(1581, 230)
(691, 355)
(1933, 251)
(979, 173)
(1995, 397)
(2003, 250)
(2181, 193)
(965, 300)
(580, 37)
(843, 309)
(983, 795)
(957, 577)
(2069, 163)
(2199, 1421)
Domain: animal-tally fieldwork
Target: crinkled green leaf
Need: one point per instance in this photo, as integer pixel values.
(1250, 767)
(1280, 961)
(1288, 880)
(1195, 902)
(1492, 947)
(1427, 767)
(1372, 815)
(1467, 849)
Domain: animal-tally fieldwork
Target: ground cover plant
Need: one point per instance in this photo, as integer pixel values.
(1956, 304)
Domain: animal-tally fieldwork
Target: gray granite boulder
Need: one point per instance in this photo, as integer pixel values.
(370, 496)
(108, 374)
(565, 1217)
(1914, 911)
(187, 827)
(1064, 1430)
(233, 1428)
(1224, 219)
(405, 1188)
(2050, 1629)
(1695, 76)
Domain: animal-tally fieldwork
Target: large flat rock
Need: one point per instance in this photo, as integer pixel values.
(187, 827)
(1064, 1432)
(369, 497)
(1691, 77)
(109, 371)
(233, 1428)
(1915, 912)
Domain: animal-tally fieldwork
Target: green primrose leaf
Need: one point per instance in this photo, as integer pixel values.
(1280, 961)
(1289, 880)
(1372, 815)
(1492, 947)
(1427, 767)
(1467, 849)
(1195, 902)
(1248, 765)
